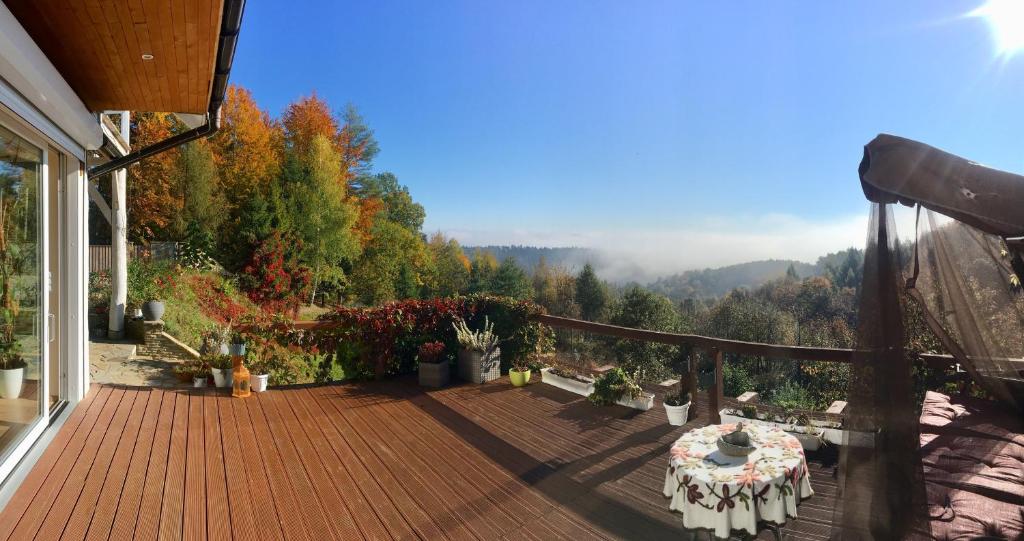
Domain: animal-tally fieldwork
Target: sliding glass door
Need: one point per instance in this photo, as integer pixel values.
(23, 374)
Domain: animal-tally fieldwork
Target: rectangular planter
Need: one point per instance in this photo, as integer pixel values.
(568, 384)
(643, 403)
(809, 442)
(475, 367)
(434, 374)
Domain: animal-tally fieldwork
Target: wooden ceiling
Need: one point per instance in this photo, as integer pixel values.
(98, 46)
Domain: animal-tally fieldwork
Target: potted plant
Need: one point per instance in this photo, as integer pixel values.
(201, 375)
(153, 310)
(617, 387)
(677, 406)
(12, 365)
(215, 340)
(221, 366)
(260, 370)
(479, 359)
(186, 371)
(568, 374)
(520, 373)
(434, 369)
(237, 345)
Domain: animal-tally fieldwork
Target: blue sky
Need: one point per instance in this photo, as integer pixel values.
(703, 132)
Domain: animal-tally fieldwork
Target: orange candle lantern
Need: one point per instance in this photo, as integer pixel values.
(240, 374)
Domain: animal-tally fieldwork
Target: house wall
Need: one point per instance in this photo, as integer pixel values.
(37, 104)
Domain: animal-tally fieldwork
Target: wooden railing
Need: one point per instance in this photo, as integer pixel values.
(715, 348)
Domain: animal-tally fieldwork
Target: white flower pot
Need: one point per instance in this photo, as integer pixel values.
(10, 382)
(199, 381)
(259, 383)
(643, 403)
(677, 415)
(568, 384)
(222, 377)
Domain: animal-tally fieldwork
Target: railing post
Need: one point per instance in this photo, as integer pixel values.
(717, 392)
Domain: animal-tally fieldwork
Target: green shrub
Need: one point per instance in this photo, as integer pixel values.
(791, 396)
(736, 379)
(615, 384)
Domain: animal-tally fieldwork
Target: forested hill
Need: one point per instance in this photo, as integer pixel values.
(569, 258)
(707, 283)
(842, 267)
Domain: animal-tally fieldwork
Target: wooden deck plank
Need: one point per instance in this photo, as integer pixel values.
(218, 519)
(75, 429)
(281, 490)
(125, 517)
(368, 487)
(145, 522)
(90, 466)
(172, 504)
(194, 510)
(105, 506)
(307, 504)
(242, 469)
(449, 508)
(265, 508)
(337, 513)
(419, 520)
(377, 460)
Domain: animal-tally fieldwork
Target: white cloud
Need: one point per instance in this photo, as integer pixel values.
(644, 254)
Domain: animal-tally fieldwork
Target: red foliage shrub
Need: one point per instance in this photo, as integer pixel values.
(214, 301)
(273, 278)
(431, 352)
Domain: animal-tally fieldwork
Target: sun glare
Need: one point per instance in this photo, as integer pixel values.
(1006, 19)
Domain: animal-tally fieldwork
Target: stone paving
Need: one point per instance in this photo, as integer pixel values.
(116, 362)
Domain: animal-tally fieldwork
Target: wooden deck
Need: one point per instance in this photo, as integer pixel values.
(376, 460)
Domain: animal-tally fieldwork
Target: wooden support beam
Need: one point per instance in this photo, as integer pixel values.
(718, 392)
(96, 197)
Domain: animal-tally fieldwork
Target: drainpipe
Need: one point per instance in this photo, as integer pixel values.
(231, 22)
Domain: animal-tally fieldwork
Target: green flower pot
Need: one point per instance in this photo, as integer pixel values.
(519, 378)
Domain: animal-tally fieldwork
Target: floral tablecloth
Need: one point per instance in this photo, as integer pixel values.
(721, 493)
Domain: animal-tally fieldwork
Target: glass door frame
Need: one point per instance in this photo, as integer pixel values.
(9, 459)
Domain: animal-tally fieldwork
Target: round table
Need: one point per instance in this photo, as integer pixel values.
(721, 494)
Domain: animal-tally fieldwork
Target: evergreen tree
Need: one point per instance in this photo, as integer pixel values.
(510, 281)
(481, 272)
(791, 273)
(641, 309)
(591, 295)
(196, 178)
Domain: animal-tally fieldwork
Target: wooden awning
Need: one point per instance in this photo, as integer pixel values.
(895, 169)
(140, 55)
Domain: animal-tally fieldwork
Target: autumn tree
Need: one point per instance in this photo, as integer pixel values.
(451, 266)
(247, 148)
(322, 216)
(392, 265)
(153, 196)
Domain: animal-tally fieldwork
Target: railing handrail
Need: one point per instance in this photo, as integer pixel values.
(707, 343)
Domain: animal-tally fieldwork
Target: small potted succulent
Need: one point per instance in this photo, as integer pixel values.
(677, 406)
(200, 375)
(479, 359)
(434, 369)
(12, 365)
(221, 366)
(520, 373)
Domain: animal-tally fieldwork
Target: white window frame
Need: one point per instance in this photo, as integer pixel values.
(75, 290)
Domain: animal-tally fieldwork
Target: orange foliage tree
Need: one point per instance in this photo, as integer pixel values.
(247, 149)
(153, 200)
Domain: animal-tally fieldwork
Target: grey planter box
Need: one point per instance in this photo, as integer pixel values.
(473, 366)
(435, 374)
